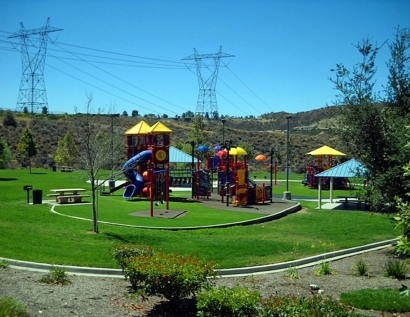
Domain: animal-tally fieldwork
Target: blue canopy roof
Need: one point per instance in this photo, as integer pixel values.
(178, 156)
(351, 168)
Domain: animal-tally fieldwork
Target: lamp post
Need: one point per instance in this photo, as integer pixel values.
(271, 174)
(112, 146)
(287, 195)
(192, 167)
(223, 130)
(228, 146)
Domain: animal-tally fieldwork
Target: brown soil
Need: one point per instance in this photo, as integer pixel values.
(92, 296)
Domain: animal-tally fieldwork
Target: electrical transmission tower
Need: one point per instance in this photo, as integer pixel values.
(32, 93)
(206, 103)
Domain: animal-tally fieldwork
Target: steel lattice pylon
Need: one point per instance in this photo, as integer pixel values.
(32, 93)
(207, 103)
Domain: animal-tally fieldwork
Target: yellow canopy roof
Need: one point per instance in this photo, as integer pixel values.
(140, 128)
(325, 150)
(237, 151)
(160, 128)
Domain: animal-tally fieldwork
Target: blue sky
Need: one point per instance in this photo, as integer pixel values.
(283, 50)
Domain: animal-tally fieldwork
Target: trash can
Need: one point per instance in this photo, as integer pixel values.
(111, 184)
(54, 168)
(37, 196)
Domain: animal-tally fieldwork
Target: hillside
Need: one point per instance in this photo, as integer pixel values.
(308, 131)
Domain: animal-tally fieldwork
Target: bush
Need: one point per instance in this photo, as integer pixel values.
(55, 276)
(8, 119)
(395, 268)
(174, 276)
(124, 252)
(283, 306)
(228, 302)
(10, 307)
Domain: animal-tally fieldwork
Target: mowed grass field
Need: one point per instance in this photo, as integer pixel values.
(33, 233)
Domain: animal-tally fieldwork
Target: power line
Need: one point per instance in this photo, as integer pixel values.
(248, 87)
(120, 79)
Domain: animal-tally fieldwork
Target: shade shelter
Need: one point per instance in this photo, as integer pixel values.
(348, 169)
(325, 151)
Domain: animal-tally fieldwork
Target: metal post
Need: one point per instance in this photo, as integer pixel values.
(271, 175)
(228, 147)
(192, 167)
(287, 194)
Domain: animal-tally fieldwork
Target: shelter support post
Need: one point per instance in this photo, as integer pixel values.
(319, 192)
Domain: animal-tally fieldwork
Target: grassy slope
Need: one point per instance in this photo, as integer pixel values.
(31, 232)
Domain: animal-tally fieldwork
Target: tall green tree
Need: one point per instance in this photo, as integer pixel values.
(5, 154)
(373, 128)
(27, 147)
(199, 133)
(67, 151)
(8, 119)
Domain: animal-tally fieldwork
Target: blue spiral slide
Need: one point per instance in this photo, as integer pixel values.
(136, 179)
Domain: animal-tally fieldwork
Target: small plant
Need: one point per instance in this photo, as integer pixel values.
(304, 307)
(228, 302)
(292, 273)
(324, 269)
(10, 307)
(402, 247)
(361, 267)
(395, 268)
(4, 264)
(56, 276)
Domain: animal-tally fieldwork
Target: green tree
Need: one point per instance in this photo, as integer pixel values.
(27, 147)
(44, 110)
(373, 128)
(5, 154)
(67, 151)
(8, 119)
(198, 132)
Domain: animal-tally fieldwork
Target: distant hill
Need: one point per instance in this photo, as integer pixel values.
(308, 131)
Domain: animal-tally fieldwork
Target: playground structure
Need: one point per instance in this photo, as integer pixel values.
(148, 171)
(330, 153)
(233, 178)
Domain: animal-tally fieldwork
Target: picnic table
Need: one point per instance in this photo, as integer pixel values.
(352, 199)
(68, 195)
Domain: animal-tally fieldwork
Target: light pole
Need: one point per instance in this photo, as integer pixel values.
(228, 146)
(287, 195)
(271, 174)
(112, 146)
(223, 130)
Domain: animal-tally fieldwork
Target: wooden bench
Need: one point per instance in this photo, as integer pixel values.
(70, 199)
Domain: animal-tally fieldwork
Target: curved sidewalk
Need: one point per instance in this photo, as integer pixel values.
(243, 271)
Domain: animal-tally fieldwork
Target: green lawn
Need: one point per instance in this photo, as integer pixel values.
(32, 232)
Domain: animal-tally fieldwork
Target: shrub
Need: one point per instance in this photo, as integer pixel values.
(55, 276)
(124, 252)
(10, 307)
(4, 264)
(278, 306)
(395, 268)
(361, 268)
(324, 269)
(228, 302)
(402, 247)
(174, 276)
